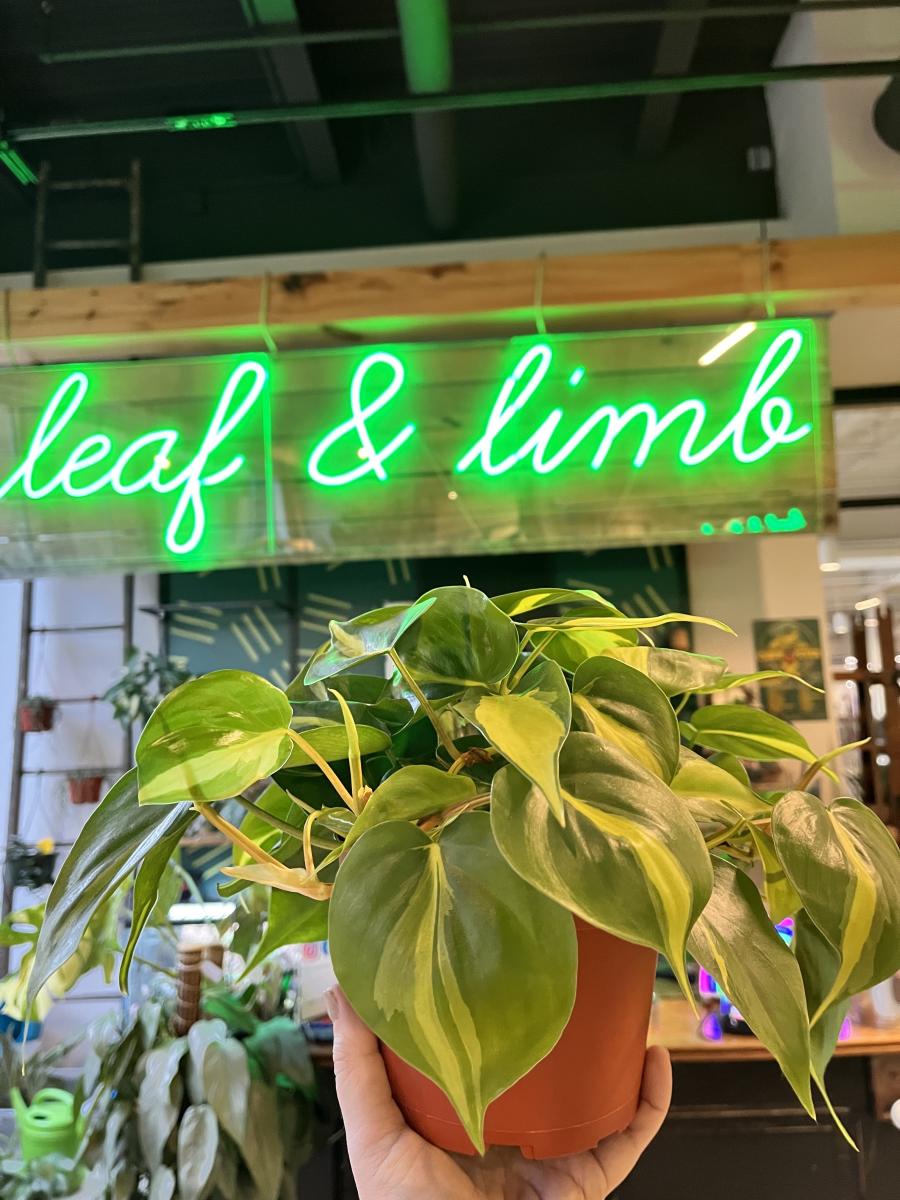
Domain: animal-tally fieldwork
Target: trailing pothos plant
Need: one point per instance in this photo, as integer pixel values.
(445, 823)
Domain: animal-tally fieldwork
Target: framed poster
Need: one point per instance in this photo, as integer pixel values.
(793, 645)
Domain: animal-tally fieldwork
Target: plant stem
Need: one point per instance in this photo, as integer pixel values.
(536, 650)
(324, 767)
(425, 705)
(293, 831)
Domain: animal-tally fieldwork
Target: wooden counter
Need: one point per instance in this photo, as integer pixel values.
(674, 1026)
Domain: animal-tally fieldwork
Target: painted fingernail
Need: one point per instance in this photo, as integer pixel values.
(333, 1003)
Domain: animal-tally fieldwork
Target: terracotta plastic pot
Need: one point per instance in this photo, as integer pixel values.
(588, 1085)
(85, 789)
(36, 718)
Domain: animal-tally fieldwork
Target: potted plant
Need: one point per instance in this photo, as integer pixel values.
(36, 714)
(226, 1111)
(84, 787)
(142, 683)
(29, 866)
(505, 834)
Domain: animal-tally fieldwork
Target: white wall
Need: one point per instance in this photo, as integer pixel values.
(751, 578)
(67, 665)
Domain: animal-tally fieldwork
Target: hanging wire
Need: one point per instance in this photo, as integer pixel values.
(765, 246)
(539, 323)
(265, 289)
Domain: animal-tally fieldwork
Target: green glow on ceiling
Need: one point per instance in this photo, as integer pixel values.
(794, 521)
(216, 120)
(15, 163)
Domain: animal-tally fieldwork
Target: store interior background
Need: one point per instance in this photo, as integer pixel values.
(790, 160)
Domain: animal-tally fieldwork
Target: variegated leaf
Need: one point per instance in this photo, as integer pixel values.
(748, 732)
(846, 868)
(713, 794)
(482, 1000)
(463, 640)
(410, 794)
(360, 639)
(630, 858)
(674, 671)
(516, 603)
(735, 941)
(625, 708)
(527, 725)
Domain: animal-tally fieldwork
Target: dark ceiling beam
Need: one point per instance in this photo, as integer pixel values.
(330, 37)
(428, 60)
(292, 81)
(458, 101)
(674, 56)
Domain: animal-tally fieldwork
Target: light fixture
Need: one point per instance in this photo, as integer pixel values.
(872, 602)
(726, 343)
(829, 566)
(850, 662)
(453, 495)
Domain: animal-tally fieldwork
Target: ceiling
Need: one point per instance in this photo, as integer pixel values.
(483, 173)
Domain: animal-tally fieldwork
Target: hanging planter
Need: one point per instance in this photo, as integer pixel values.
(84, 788)
(36, 714)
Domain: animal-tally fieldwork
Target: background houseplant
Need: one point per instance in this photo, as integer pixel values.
(144, 680)
(516, 763)
(225, 1112)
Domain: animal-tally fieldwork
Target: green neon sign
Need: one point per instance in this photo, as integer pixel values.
(566, 441)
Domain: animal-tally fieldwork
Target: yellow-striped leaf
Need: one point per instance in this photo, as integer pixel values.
(625, 708)
(367, 636)
(630, 858)
(846, 867)
(735, 679)
(674, 671)
(516, 603)
(528, 725)
(410, 794)
(714, 795)
(576, 646)
(211, 738)
(584, 620)
(736, 942)
(451, 959)
(748, 733)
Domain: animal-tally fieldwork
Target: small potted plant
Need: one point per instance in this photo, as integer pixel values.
(84, 786)
(29, 866)
(506, 833)
(142, 683)
(36, 714)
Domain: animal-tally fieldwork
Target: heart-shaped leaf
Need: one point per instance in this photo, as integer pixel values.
(462, 640)
(159, 1099)
(574, 647)
(198, 1147)
(527, 725)
(358, 689)
(625, 708)
(674, 671)
(516, 603)
(213, 737)
(115, 840)
(482, 1000)
(748, 733)
(630, 858)
(292, 919)
(370, 635)
(735, 940)
(586, 620)
(846, 867)
(332, 742)
(410, 794)
(730, 680)
(226, 1082)
(714, 794)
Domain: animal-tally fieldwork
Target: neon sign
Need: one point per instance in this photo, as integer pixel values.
(570, 441)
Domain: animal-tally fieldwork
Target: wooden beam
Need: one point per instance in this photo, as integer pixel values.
(450, 300)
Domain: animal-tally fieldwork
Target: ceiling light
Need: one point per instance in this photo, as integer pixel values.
(723, 346)
(850, 662)
(829, 566)
(872, 602)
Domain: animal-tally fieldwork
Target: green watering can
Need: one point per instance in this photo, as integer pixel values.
(49, 1125)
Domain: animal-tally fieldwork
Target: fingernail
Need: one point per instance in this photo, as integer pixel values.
(333, 1003)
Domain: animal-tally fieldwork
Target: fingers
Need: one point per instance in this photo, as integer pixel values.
(619, 1153)
(363, 1090)
(656, 1096)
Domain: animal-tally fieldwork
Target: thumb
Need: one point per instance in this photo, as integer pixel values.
(364, 1093)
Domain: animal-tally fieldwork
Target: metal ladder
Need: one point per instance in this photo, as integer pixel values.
(18, 772)
(130, 184)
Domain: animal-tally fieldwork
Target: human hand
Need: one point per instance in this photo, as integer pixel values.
(391, 1162)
